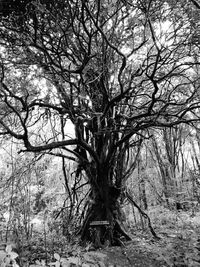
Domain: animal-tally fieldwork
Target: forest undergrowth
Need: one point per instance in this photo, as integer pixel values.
(178, 246)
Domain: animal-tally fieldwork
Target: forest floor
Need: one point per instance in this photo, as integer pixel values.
(173, 249)
(178, 246)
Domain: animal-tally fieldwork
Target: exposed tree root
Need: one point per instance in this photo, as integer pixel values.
(101, 232)
(103, 227)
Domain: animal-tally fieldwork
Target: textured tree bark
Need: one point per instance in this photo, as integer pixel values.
(104, 211)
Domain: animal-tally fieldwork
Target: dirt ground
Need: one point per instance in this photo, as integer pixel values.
(131, 256)
(176, 248)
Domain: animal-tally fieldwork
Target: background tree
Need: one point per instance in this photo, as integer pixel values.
(115, 70)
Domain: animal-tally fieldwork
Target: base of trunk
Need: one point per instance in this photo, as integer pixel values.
(103, 228)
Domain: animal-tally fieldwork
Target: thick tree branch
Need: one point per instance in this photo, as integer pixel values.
(195, 3)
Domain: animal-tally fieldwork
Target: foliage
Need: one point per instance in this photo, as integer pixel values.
(10, 257)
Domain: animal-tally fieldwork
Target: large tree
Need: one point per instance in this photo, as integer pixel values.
(114, 69)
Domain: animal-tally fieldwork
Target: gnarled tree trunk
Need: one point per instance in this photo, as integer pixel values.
(103, 222)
